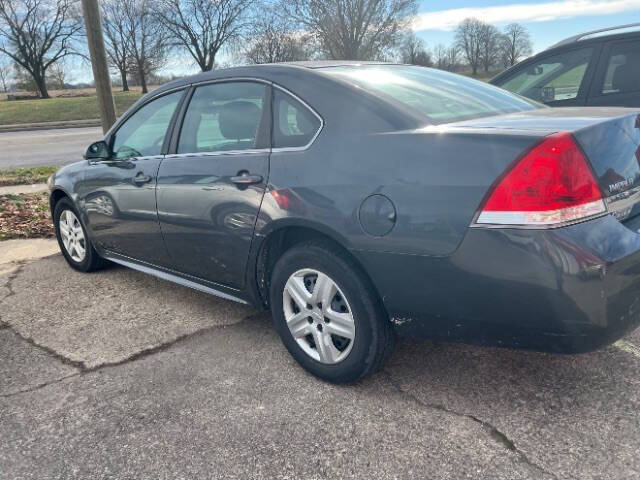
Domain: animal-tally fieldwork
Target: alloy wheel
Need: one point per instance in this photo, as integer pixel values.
(72, 236)
(318, 316)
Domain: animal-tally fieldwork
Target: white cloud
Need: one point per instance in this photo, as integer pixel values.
(533, 12)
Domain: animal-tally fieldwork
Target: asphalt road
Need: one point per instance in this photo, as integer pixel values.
(120, 375)
(45, 147)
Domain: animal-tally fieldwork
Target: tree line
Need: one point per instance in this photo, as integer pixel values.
(142, 37)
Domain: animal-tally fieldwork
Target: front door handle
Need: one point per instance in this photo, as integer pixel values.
(245, 178)
(141, 178)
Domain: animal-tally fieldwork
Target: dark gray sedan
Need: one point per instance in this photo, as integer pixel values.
(362, 201)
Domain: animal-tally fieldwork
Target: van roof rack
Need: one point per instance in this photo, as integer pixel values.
(598, 33)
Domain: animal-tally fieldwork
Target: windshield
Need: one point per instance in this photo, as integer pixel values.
(441, 97)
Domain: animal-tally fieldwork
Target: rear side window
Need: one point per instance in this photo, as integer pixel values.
(294, 124)
(223, 117)
(623, 69)
(554, 78)
(440, 96)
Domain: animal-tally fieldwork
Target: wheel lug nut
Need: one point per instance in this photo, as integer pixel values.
(319, 327)
(319, 305)
(309, 307)
(309, 319)
(326, 320)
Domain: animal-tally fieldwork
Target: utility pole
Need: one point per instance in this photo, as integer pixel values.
(93, 24)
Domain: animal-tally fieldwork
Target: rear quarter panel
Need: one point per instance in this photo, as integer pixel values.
(435, 179)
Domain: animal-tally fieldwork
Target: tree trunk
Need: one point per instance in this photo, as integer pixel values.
(125, 84)
(143, 80)
(41, 85)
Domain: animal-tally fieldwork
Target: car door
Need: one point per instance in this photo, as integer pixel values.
(617, 82)
(119, 194)
(211, 186)
(558, 80)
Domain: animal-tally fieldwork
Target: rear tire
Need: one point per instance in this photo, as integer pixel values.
(73, 239)
(345, 303)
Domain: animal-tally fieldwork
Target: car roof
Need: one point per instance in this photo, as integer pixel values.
(617, 31)
(264, 70)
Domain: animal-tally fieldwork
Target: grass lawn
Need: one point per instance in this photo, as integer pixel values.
(25, 176)
(25, 216)
(482, 75)
(60, 109)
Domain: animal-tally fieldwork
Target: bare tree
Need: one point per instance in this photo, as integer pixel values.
(116, 37)
(147, 40)
(272, 39)
(413, 51)
(453, 58)
(469, 40)
(352, 29)
(58, 74)
(6, 69)
(514, 44)
(203, 27)
(489, 46)
(440, 56)
(38, 33)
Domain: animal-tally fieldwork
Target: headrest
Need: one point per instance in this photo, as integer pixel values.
(626, 78)
(239, 120)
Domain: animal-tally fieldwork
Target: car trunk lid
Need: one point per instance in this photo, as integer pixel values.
(609, 137)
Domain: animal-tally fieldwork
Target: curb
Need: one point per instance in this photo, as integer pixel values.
(20, 127)
(18, 189)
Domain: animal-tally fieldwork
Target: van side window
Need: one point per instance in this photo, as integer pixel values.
(554, 78)
(623, 69)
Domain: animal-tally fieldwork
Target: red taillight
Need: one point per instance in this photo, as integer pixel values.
(551, 184)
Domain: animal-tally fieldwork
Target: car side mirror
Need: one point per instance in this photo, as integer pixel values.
(98, 151)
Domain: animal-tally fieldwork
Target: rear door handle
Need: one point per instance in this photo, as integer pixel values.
(141, 178)
(245, 178)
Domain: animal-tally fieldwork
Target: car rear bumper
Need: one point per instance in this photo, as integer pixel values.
(569, 289)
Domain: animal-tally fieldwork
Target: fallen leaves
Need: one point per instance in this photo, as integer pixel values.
(25, 216)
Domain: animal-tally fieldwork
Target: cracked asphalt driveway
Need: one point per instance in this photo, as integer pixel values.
(120, 375)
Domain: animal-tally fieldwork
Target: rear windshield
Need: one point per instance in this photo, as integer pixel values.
(441, 97)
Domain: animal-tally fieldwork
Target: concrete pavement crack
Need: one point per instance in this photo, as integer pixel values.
(158, 348)
(39, 386)
(10, 279)
(493, 431)
(82, 369)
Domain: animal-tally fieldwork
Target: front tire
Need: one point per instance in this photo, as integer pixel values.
(73, 239)
(327, 313)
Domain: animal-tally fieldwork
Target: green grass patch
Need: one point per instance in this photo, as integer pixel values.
(60, 109)
(25, 176)
(482, 75)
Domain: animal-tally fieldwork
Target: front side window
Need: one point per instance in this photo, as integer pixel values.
(142, 134)
(623, 69)
(294, 124)
(554, 78)
(223, 117)
(441, 97)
